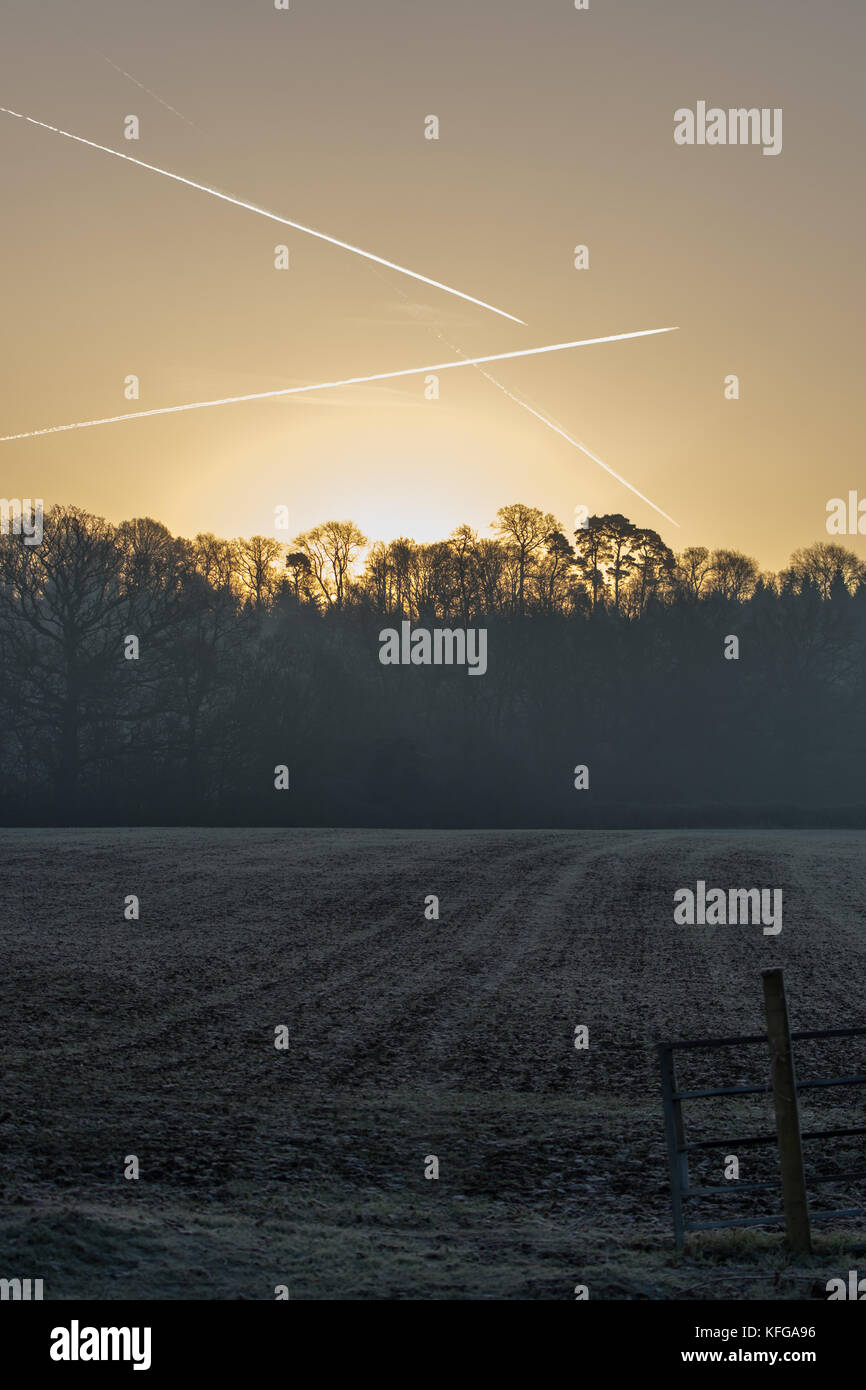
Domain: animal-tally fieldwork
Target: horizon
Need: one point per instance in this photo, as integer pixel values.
(287, 536)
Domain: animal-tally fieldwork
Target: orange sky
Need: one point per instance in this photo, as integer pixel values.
(556, 129)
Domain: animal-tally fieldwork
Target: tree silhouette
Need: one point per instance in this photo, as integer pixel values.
(331, 548)
(253, 654)
(527, 529)
(821, 564)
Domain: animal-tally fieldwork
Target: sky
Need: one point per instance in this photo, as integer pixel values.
(555, 130)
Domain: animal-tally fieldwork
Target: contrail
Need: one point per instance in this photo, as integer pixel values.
(545, 419)
(557, 429)
(155, 95)
(262, 212)
(329, 385)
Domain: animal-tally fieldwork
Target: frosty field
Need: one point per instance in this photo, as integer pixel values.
(408, 1038)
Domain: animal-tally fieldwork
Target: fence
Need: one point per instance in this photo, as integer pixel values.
(788, 1137)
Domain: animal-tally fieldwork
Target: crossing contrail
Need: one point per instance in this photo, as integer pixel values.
(329, 385)
(545, 419)
(262, 212)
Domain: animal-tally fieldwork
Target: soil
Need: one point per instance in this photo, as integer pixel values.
(409, 1039)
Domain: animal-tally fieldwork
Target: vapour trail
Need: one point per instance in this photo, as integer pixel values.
(154, 95)
(557, 429)
(262, 212)
(329, 385)
(545, 419)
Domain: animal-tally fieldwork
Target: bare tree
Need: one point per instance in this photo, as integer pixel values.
(216, 560)
(527, 529)
(694, 568)
(259, 566)
(821, 563)
(491, 561)
(553, 574)
(331, 549)
(734, 575)
(69, 603)
(464, 545)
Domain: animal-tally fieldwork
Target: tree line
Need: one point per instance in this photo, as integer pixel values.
(529, 566)
(606, 649)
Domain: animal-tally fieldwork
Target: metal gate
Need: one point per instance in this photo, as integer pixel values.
(792, 1188)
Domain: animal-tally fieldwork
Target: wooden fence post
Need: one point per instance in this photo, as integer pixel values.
(794, 1199)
